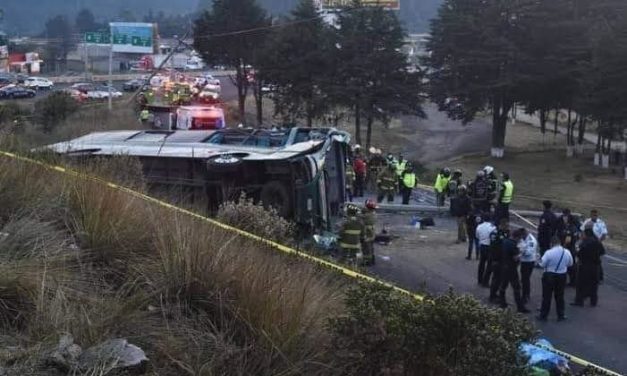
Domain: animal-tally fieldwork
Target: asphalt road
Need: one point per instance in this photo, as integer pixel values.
(429, 260)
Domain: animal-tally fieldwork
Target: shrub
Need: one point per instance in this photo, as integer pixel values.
(11, 111)
(248, 216)
(54, 109)
(449, 335)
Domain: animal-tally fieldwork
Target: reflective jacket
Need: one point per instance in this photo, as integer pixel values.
(441, 183)
(409, 179)
(386, 182)
(350, 176)
(351, 234)
(507, 192)
(400, 167)
(370, 219)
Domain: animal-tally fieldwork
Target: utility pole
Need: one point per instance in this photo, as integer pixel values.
(110, 71)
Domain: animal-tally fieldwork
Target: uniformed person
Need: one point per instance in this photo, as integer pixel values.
(350, 180)
(495, 259)
(506, 193)
(369, 218)
(144, 115)
(568, 232)
(589, 259)
(386, 184)
(547, 227)
(441, 185)
(351, 234)
(509, 271)
(408, 182)
(454, 183)
(493, 184)
(401, 165)
(479, 193)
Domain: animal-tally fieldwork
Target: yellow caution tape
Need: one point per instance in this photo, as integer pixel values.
(280, 247)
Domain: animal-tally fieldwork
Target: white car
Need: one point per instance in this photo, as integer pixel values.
(38, 83)
(102, 92)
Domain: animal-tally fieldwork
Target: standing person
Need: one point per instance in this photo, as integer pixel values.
(483, 233)
(493, 184)
(509, 271)
(369, 217)
(408, 182)
(528, 246)
(568, 231)
(479, 193)
(472, 221)
(351, 234)
(600, 231)
(376, 164)
(441, 185)
(386, 184)
(496, 259)
(359, 165)
(350, 180)
(546, 227)
(401, 165)
(454, 183)
(589, 256)
(555, 262)
(506, 193)
(144, 115)
(460, 209)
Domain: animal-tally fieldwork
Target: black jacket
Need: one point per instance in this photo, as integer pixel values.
(590, 252)
(547, 226)
(460, 206)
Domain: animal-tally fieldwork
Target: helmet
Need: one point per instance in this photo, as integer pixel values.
(390, 157)
(506, 176)
(446, 170)
(462, 188)
(357, 147)
(371, 204)
(372, 150)
(488, 170)
(480, 173)
(351, 210)
(457, 172)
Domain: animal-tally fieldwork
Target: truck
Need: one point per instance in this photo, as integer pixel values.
(298, 171)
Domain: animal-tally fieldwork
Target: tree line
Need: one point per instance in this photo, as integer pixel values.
(543, 55)
(317, 70)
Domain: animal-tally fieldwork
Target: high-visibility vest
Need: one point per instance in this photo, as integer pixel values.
(409, 180)
(370, 219)
(350, 176)
(400, 167)
(508, 192)
(144, 115)
(350, 235)
(441, 182)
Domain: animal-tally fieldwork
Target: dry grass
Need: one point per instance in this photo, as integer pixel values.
(100, 264)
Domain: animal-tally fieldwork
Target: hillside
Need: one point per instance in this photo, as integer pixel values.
(27, 17)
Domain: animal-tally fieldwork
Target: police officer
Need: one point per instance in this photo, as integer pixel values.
(408, 182)
(590, 252)
(351, 234)
(509, 270)
(441, 185)
(496, 259)
(401, 165)
(369, 217)
(555, 262)
(568, 232)
(350, 180)
(547, 227)
(386, 184)
(506, 193)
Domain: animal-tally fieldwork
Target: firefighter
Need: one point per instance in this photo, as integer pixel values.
(408, 182)
(386, 184)
(493, 184)
(479, 193)
(360, 168)
(350, 180)
(441, 185)
(351, 234)
(369, 218)
(376, 163)
(454, 183)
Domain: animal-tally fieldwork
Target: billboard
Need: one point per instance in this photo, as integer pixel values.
(133, 37)
(340, 4)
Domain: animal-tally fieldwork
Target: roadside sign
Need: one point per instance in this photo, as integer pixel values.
(340, 4)
(133, 37)
(97, 38)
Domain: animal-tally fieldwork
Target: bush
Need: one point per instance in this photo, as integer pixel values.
(54, 109)
(384, 332)
(11, 111)
(254, 218)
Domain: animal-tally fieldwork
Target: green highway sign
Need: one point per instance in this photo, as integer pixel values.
(97, 38)
(133, 37)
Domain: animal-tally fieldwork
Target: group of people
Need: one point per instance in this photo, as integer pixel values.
(388, 175)
(565, 249)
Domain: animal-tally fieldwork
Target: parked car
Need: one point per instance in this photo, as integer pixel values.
(78, 95)
(134, 84)
(12, 92)
(38, 83)
(5, 81)
(101, 92)
(83, 87)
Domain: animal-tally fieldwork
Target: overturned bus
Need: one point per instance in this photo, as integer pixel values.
(298, 171)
